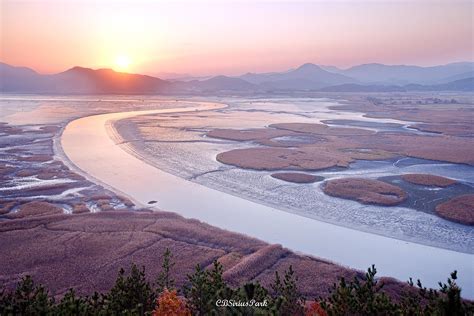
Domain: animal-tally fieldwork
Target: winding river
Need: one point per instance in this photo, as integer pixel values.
(90, 145)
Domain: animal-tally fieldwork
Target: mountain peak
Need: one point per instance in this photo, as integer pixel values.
(220, 77)
(308, 66)
(78, 69)
(7, 67)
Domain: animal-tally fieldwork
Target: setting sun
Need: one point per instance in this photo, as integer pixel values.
(122, 63)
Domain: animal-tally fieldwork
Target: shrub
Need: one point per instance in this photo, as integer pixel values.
(169, 304)
(315, 309)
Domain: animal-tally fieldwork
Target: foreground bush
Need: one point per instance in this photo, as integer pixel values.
(169, 304)
(207, 293)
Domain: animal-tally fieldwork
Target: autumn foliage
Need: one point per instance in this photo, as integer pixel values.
(315, 309)
(169, 304)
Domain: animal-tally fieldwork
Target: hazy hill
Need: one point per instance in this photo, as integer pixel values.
(464, 75)
(17, 78)
(83, 80)
(402, 74)
(366, 78)
(312, 77)
(362, 88)
(332, 69)
(78, 80)
(305, 77)
(464, 85)
(257, 78)
(217, 83)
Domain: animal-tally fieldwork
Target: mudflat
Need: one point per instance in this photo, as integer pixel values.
(67, 232)
(297, 177)
(67, 217)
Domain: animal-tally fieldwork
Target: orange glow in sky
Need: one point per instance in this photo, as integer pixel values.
(122, 63)
(231, 37)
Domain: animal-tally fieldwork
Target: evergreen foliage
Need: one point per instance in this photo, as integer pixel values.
(164, 279)
(207, 293)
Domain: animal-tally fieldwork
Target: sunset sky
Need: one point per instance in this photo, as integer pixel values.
(232, 37)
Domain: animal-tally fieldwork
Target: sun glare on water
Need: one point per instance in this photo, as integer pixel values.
(122, 63)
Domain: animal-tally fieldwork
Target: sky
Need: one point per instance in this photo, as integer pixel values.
(205, 37)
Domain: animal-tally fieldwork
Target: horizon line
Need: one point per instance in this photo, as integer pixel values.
(153, 73)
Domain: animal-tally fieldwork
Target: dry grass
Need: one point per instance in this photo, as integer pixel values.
(321, 129)
(428, 180)
(230, 259)
(366, 191)
(296, 177)
(47, 174)
(85, 251)
(35, 208)
(36, 158)
(457, 129)
(50, 129)
(26, 172)
(126, 201)
(454, 121)
(6, 206)
(9, 129)
(325, 147)
(315, 276)
(49, 189)
(271, 158)
(6, 170)
(459, 209)
(80, 208)
(441, 148)
(252, 265)
(246, 134)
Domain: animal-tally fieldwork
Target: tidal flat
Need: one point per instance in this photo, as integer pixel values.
(55, 218)
(180, 147)
(238, 148)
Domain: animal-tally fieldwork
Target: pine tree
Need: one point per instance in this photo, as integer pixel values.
(164, 279)
(131, 293)
(71, 304)
(360, 298)
(198, 294)
(27, 299)
(287, 299)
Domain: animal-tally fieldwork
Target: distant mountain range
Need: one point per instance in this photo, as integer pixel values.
(305, 77)
(402, 75)
(308, 77)
(78, 80)
(462, 85)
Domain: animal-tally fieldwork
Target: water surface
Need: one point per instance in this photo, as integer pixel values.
(90, 144)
